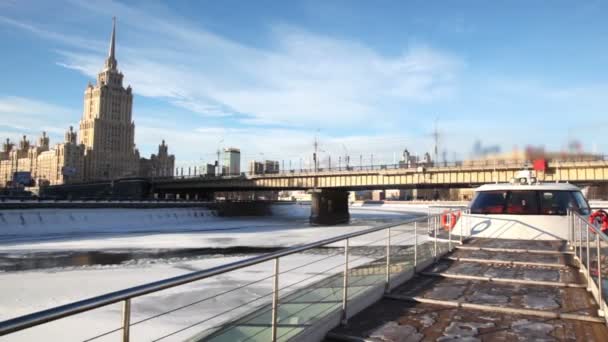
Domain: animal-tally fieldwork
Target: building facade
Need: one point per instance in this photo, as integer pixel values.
(265, 167)
(159, 165)
(271, 166)
(210, 170)
(256, 168)
(47, 166)
(105, 148)
(232, 161)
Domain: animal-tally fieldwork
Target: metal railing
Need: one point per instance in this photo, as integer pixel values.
(462, 218)
(195, 172)
(384, 259)
(590, 247)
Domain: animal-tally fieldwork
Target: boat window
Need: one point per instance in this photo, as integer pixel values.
(556, 202)
(489, 202)
(581, 202)
(529, 202)
(522, 203)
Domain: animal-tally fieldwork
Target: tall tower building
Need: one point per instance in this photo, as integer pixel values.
(104, 149)
(106, 128)
(232, 161)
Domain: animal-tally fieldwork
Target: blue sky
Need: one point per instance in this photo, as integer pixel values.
(267, 76)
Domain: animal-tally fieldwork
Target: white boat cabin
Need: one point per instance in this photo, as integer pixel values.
(530, 211)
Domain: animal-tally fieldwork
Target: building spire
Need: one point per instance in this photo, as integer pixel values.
(113, 39)
(111, 60)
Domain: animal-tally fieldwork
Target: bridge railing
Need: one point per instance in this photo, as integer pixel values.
(192, 172)
(277, 295)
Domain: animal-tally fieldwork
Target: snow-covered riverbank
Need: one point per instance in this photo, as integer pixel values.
(174, 228)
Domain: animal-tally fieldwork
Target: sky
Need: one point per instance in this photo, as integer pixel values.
(367, 79)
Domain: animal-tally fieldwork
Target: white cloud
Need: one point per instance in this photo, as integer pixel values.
(302, 79)
(74, 41)
(199, 145)
(19, 105)
(19, 115)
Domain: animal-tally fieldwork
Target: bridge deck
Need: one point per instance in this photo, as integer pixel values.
(489, 290)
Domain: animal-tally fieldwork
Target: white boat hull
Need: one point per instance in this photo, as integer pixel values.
(522, 227)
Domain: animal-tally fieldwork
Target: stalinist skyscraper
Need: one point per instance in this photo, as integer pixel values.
(103, 149)
(106, 129)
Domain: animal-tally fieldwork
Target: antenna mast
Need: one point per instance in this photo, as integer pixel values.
(316, 153)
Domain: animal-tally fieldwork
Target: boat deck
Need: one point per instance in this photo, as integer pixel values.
(486, 290)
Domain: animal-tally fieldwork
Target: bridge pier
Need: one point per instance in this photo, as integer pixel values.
(329, 207)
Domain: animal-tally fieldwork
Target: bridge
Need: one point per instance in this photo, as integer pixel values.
(330, 187)
(455, 175)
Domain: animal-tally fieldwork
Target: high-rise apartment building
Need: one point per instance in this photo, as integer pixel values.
(271, 166)
(256, 168)
(232, 161)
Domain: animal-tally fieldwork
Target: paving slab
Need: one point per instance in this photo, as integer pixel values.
(399, 321)
(517, 296)
(532, 258)
(568, 275)
(546, 245)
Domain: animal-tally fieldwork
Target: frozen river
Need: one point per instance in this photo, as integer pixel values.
(53, 257)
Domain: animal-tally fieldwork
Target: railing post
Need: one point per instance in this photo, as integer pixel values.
(345, 285)
(570, 228)
(275, 299)
(435, 219)
(388, 261)
(579, 225)
(576, 245)
(126, 320)
(580, 233)
(588, 263)
(428, 219)
(415, 245)
(450, 232)
(599, 275)
(463, 215)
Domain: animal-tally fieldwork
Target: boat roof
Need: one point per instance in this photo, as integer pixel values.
(538, 186)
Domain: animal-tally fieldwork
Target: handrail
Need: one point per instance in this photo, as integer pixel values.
(589, 225)
(577, 225)
(48, 315)
(448, 206)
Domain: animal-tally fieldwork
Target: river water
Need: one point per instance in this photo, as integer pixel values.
(76, 238)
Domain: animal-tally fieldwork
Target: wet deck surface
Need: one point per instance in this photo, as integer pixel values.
(564, 300)
(522, 272)
(517, 244)
(420, 310)
(393, 320)
(553, 259)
